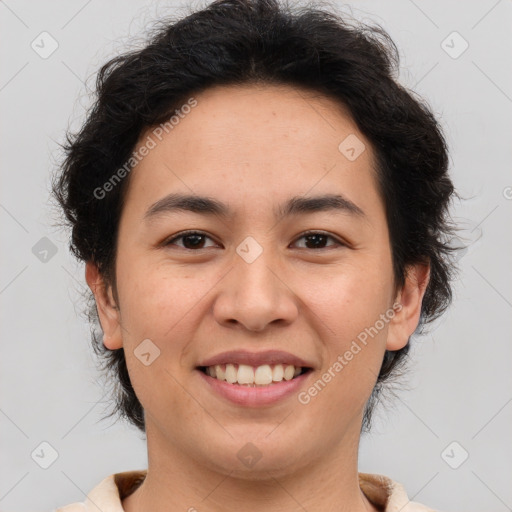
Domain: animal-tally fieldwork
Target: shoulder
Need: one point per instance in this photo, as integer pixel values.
(107, 495)
(73, 507)
(388, 494)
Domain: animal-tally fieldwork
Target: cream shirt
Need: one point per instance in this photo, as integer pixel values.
(383, 492)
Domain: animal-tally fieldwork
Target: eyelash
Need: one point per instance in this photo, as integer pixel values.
(306, 233)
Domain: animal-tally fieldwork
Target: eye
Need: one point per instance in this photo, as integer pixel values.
(191, 240)
(317, 240)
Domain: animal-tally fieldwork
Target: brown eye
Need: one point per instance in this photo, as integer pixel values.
(191, 240)
(318, 240)
(194, 240)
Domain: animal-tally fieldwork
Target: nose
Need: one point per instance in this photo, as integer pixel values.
(255, 295)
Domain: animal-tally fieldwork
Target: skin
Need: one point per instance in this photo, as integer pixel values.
(254, 147)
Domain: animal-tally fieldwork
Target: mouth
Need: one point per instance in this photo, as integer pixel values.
(255, 379)
(254, 376)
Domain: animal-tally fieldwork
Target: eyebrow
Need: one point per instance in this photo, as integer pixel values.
(298, 205)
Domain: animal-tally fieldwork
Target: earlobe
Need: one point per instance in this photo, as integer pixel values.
(108, 310)
(410, 298)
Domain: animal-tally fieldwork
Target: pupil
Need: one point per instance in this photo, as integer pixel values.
(315, 237)
(316, 240)
(197, 238)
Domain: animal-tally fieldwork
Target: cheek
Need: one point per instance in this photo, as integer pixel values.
(350, 299)
(156, 298)
(348, 313)
(163, 304)
(159, 307)
(349, 316)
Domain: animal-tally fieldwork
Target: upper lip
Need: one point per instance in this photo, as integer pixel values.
(256, 358)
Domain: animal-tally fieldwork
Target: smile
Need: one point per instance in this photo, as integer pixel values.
(255, 379)
(246, 375)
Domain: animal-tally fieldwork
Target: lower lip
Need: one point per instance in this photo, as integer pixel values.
(258, 395)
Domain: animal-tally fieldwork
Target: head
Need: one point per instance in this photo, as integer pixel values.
(275, 123)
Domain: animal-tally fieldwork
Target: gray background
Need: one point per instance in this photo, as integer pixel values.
(459, 386)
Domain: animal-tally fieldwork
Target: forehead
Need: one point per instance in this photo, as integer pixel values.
(251, 143)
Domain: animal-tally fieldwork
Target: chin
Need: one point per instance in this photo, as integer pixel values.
(258, 456)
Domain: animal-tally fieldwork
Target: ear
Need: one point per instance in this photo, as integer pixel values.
(408, 299)
(107, 309)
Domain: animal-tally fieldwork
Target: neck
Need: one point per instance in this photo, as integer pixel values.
(174, 481)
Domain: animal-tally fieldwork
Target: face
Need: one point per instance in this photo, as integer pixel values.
(268, 277)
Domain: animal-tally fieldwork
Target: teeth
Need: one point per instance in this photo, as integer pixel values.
(246, 375)
(288, 372)
(263, 375)
(278, 373)
(231, 374)
(218, 372)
